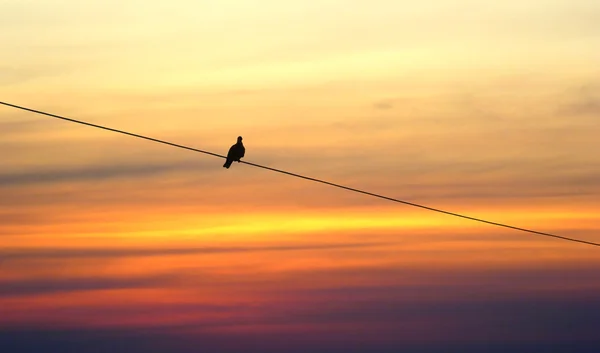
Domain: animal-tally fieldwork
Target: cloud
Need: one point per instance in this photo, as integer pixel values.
(373, 308)
(66, 253)
(132, 340)
(12, 75)
(384, 105)
(23, 126)
(10, 288)
(512, 318)
(586, 101)
(343, 324)
(99, 172)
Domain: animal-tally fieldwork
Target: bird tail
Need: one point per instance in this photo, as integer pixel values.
(227, 164)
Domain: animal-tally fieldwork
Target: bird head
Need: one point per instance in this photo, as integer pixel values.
(239, 139)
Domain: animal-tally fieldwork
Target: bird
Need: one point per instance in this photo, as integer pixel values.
(236, 152)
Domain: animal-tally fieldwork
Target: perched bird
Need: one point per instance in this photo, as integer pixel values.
(236, 152)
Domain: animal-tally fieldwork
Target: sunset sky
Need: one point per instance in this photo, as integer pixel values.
(111, 243)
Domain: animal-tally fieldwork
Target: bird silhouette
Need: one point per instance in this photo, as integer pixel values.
(236, 152)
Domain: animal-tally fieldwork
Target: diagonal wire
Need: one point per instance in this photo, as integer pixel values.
(302, 176)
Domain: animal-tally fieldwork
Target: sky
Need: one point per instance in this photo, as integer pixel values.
(489, 109)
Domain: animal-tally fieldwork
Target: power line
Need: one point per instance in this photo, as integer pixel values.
(301, 176)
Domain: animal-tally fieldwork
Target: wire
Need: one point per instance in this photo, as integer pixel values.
(302, 176)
